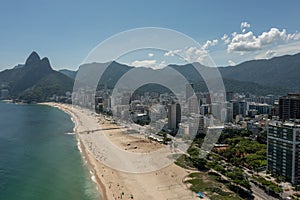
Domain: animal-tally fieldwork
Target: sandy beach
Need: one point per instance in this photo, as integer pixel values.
(98, 138)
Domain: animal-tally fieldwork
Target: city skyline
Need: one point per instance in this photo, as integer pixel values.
(66, 32)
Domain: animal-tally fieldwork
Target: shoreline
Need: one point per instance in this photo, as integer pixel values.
(82, 150)
(92, 133)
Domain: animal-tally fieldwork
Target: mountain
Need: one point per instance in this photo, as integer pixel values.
(112, 73)
(116, 70)
(35, 80)
(279, 72)
(277, 75)
(230, 83)
(18, 66)
(69, 73)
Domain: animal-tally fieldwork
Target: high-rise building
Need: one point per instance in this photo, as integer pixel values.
(262, 108)
(270, 99)
(174, 116)
(229, 113)
(289, 107)
(219, 110)
(189, 90)
(283, 158)
(204, 109)
(193, 105)
(239, 107)
(209, 97)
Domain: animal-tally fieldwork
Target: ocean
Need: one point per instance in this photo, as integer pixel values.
(38, 158)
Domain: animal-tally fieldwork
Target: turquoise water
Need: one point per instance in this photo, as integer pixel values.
(37, 159)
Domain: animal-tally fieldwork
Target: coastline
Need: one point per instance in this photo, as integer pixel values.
(86, 158)
(166, 183)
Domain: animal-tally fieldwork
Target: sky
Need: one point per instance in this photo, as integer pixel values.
(66, 32)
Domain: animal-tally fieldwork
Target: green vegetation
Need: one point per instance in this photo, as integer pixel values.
(209, 183)
(243, 151)
(227, 163)
(163, 134)
(219, 168)
(185, 161)
(199, 163)
(53, 84)
(238, 177)
(233, 133)
(143, 122)
(234, 174)
(193, 160)
(35, 81)
(268, 184)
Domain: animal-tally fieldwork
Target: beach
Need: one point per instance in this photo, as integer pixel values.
(97, 140)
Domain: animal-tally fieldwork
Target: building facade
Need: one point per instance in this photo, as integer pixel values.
(239, 107)
(174, 116)
(289, 107)
(262, 108)
(283, 150)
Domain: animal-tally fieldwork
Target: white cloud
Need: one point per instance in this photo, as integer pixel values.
(225, 39)
(290, 48)
(161, 65)
(143, 63)
(273, 35)
(191, 54)
(194, 54)
(150, 55)
(209, 43)
(154, 64)
(243, 42)
(173, 52)
(245, 25)
(231, 63)
(270, 54)
(294, 36)
(280, 50)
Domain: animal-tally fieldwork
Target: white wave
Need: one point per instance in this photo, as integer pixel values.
(70, 133)
(94, 179)
(79, 148)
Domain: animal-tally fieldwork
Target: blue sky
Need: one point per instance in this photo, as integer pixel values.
(66, 31)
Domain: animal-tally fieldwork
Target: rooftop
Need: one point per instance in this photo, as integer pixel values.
(284, 124)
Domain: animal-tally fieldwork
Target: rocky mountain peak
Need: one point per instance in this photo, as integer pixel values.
(32, 59)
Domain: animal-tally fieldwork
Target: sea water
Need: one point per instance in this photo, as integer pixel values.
(39, 159)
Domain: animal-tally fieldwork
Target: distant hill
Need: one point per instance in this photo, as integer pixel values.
(69, 73)
(110, 76)
(232, 83)
(35, 80)
(278, 72)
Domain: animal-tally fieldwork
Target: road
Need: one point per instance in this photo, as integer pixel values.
(260, 194)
